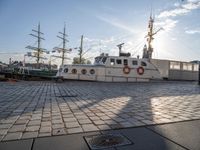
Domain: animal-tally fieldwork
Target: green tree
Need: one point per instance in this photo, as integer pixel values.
(76, 60)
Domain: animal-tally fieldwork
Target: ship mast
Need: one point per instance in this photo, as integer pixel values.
(62, 50)
(148, 50)
(38, 49)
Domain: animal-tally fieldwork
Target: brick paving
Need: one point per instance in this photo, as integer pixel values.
(38, 109)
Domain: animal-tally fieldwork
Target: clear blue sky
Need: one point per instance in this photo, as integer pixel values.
(104, 24)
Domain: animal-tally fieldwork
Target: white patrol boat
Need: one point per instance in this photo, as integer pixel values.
(112, 69)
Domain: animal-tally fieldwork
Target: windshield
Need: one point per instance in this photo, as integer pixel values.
(100, 60)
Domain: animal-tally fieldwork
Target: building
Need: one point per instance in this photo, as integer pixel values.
(177, 70)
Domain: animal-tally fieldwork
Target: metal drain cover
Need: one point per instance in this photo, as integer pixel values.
(97, 142)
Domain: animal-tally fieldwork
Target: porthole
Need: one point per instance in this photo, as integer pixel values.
(83, 71)
(74, 71)
(92, 71)
(66, 70)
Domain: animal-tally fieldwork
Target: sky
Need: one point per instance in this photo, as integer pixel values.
(104, 24)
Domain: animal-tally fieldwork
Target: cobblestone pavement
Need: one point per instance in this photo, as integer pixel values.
(37, 109)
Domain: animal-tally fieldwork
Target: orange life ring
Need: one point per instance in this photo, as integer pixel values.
(126, 69)
(140, 70)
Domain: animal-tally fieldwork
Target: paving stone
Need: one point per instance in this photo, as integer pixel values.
(89, 127)
(85, 121)
(45, 129)
(34, 123)
(115, 126)
(13, 136)
(103, 127)
(75, 130)
(44, 134)
(1, 137)
(70, 119)
(46, 123)
(5, 126)
(58, 131)
(8, 121)
(17, 128)
(98, 122)
(105, 117)
(19, 122)
(57, 126)
(3, 131)
(57, 121)
(27, 135)
(126, 124)
(72, 124)
(32, 128)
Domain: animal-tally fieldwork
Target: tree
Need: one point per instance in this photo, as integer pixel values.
(76, 60)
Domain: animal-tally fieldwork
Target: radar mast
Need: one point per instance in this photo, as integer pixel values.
(148, 49)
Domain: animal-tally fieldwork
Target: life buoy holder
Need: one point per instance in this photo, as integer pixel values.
(140, 70)
(126, 70)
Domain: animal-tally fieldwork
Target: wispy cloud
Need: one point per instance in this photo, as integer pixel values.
(181, 9)
(173, 13)
(167, 24)
(166, 18)
(116, 23)
(196, 31)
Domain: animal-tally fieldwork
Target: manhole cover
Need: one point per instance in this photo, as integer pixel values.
(97, 142)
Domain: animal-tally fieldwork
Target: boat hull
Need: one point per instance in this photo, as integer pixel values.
(106, 74)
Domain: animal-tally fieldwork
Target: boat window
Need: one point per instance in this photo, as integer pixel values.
(119, 61)
(195, 67)
(134, 62)
(97, 60)
(92, 71)
(74, 71)
(125, 62)
(83, 71)
(66, 70)
(112, 62)
(104, 60)
(187, 66)
(175, 65)
(143, 63)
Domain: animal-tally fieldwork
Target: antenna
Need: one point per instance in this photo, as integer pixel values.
(81, 50)
(63, 50)
(38, 50)
(120, 47)
(147, 51)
